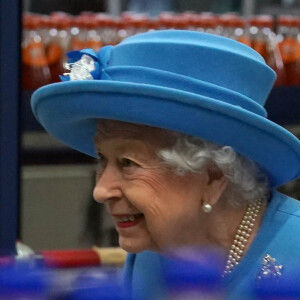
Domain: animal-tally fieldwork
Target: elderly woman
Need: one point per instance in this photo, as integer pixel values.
(186, 154)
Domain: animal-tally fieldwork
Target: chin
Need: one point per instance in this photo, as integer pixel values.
(134, 246)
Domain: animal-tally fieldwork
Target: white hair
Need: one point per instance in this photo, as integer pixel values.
(246, 181)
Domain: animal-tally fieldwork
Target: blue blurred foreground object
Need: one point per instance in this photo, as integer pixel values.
(105, 291)
(23, 281)
(194, 274)
(106, 285)
(283, 288)
(186, 273)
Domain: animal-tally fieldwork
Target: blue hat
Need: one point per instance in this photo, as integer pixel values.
(195, 83)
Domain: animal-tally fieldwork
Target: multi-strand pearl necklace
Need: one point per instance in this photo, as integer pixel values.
(242, 236)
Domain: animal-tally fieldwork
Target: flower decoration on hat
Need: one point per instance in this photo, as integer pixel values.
(83, 65)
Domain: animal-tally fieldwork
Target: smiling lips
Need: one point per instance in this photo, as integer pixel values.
(124, 221)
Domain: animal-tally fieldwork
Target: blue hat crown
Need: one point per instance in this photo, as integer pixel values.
(198, 63)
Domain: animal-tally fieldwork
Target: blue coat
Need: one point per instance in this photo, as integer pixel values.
(278, 236)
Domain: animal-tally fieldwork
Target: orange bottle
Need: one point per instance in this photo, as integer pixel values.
(34, 61)
(79, 40)
(208, 21)
(190, 19)
(241, 32)
(75, 27)
(92, 37)
(58, 44)
(227, 24)
(264, 41)
(181, 22)
(112, 31)
(166, 20)
(261, 26)
(104, 29)
(289, 45)
(140, 23)
(234, 27)
(153, 24)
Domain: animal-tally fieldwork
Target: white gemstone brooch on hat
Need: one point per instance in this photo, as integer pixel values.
(85, 65)
(81, 69)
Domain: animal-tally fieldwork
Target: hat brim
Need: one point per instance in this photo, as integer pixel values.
(69, 111)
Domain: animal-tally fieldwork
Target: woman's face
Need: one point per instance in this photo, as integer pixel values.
(152, 207)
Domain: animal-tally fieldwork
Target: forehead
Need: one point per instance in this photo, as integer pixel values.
(108, 129)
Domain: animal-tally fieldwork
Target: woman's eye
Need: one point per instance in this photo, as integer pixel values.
(100, 159)
(100, 163)
(126, 163)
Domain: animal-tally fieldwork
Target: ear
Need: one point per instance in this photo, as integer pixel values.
(215, 185)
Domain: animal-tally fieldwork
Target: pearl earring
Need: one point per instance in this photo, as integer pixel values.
(207, 208)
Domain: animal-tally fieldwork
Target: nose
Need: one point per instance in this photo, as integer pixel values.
(108, 185)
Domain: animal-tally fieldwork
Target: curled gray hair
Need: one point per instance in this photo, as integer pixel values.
(246, 182)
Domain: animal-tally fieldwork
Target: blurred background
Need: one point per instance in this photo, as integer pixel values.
(53, 207)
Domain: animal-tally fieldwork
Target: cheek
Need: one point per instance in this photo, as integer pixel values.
(164, 194)
(168, 209)
(144, 187)
(147, 201)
